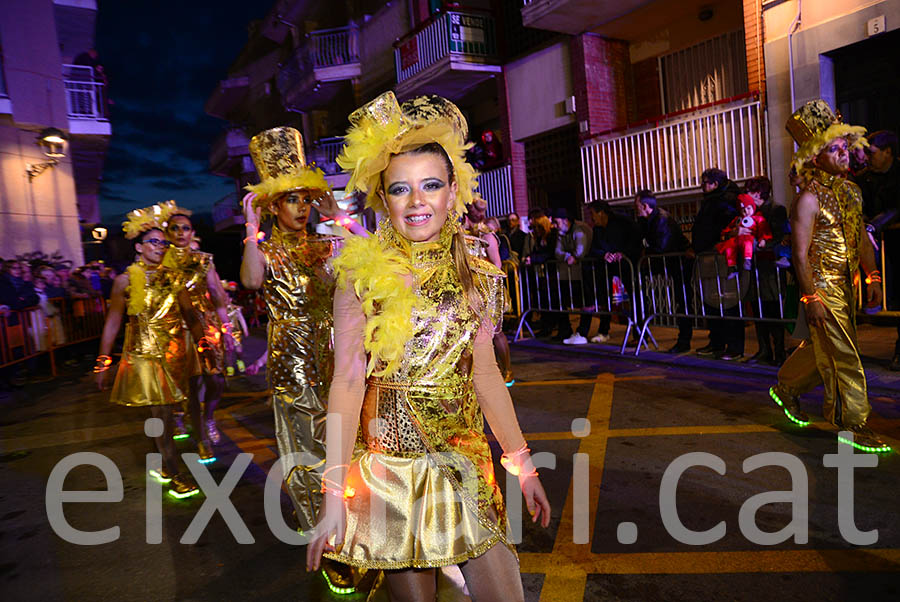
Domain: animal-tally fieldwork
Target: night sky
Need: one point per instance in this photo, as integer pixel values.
(163, 60)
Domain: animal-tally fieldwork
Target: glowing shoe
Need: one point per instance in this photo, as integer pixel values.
(865, 440)
(790, 405)
(338, 577)
(212, 432)
(183, 486)
(180, 430)
(509, 379)
(205, 452)
(162, 475)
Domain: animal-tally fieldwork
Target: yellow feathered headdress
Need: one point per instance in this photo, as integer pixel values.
(383, 128)
(813, 126)
(170, 208)
(278, 156)
(139, 221)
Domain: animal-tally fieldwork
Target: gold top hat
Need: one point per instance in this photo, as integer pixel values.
(383, 128)
(278, 156)
(813, 126)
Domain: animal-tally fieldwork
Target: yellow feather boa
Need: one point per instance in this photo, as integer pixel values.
(137, 282)
(377, 275)
(306, 178)
(808, 151)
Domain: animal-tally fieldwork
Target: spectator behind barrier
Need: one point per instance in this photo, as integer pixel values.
(717, 209)
(572, 245)
(662, 234)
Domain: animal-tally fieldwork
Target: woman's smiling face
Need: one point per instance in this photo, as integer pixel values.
(419, 194)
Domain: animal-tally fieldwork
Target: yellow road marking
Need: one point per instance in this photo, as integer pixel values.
(763, 561)
(565, 583)
(622, 379)
(668, 431)
(542, 383)
(249, 443)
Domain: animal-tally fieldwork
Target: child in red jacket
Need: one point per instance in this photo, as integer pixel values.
(746, 231)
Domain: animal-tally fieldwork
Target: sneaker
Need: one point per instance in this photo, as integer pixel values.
(705, 349)
(599, 338)
(181, 431)
(212, 432)
(204, 450)
(783, 262)
(575, 339)
(864, 439)
(509, 379)
(731, 357)
(162, 475)
(790, 405)
(183, 486)
(679, 348)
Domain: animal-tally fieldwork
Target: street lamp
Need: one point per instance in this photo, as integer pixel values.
(53, 141)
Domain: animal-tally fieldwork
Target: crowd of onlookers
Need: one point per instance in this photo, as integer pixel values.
(27, 281)
(743, 225)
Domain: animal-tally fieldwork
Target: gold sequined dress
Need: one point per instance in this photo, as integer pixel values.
(195, 266)
(154, 341)
(299, 291)
(831, 355)
(424, 491)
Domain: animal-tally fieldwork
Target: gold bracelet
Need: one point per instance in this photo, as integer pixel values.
(812, 298)
(103, 363)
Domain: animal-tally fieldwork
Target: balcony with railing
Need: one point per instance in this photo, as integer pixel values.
(447, 55)
(86, 101)
(495, 187)
(667, 155)
(574, 16)
(320, 68)
(227, 212)
(229, 153)
(323, 153)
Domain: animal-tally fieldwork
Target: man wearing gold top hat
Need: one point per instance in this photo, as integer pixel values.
(155, 300)
(210, 305)
(829, 244)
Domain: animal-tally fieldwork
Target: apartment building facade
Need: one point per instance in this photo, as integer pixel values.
(590, 100)
(54, 130)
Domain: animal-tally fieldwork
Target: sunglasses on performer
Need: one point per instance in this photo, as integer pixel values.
(156, 242)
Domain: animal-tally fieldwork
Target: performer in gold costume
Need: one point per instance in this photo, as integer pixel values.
(210, 306)
(155, 300)
(829, 244)
(415, 369)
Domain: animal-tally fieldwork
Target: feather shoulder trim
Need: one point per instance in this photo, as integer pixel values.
(377, 275)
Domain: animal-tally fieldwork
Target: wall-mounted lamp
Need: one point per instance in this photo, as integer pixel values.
(53, 141)
(99, 234)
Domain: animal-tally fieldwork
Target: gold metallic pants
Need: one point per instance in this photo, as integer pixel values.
(300, 429)
(831, 358)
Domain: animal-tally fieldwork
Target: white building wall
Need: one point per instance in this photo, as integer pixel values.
(42, 214)
(826, 26)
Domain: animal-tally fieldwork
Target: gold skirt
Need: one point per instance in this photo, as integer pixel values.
(404, 513)
(144, 380)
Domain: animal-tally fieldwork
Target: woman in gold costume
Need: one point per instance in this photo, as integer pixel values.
(414, 316)
(155, 300)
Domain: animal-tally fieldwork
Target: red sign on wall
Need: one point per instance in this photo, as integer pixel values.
(409, 53)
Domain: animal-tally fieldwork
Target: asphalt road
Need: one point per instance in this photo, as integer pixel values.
(613, 543)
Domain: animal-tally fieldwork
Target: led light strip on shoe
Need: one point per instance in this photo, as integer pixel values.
(342, 591)
(866, 448)
(790, 416)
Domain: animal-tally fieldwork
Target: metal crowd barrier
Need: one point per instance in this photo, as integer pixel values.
(586, 287)
(39, 330)
(676, 286)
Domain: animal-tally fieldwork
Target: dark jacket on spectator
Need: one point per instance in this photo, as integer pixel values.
(777, 218)
(662, 234)
(717, 209)
(517, 240)
(881, 193)
(16, 293)
(620, 235)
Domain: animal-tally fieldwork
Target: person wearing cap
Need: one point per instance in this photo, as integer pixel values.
(829, 244)
(572, 245)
